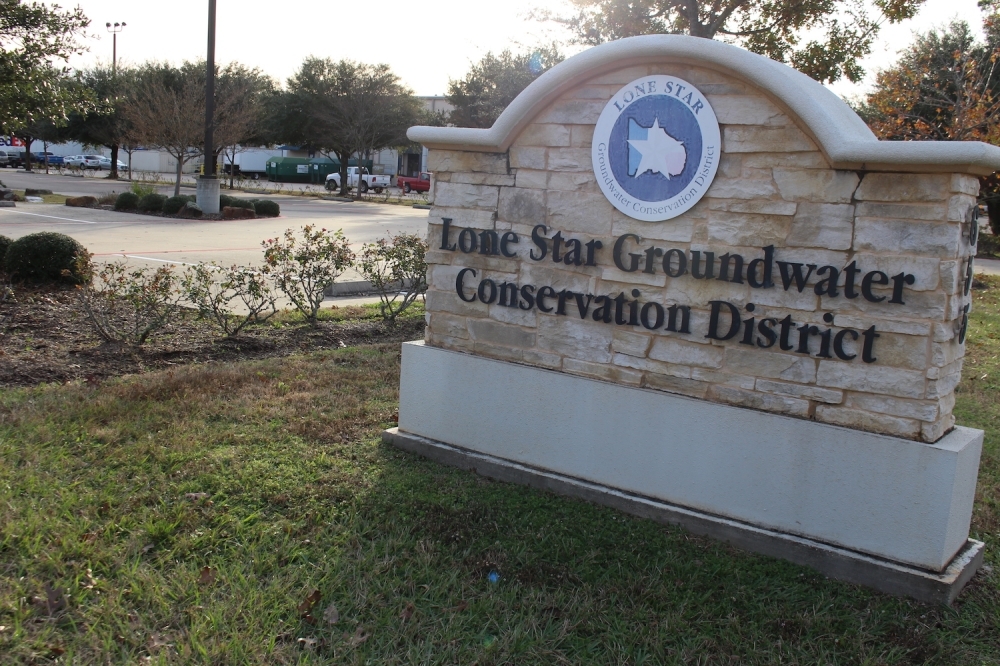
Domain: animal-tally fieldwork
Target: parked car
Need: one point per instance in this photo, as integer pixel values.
(368, 181)
(105, 163)
(421, 183)
(50, 158)
(11, 158)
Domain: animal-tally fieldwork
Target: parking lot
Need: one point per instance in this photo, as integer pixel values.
(151, 240)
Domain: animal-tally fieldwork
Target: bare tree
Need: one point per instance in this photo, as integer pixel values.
(167, 110)
(240, 107)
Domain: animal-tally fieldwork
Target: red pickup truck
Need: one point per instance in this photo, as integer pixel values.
(421, 183)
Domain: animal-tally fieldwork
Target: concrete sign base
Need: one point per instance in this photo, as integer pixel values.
(839, 563)
(881, 511)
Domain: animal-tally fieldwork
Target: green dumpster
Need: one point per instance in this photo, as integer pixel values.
(288, 169)
(320, 168)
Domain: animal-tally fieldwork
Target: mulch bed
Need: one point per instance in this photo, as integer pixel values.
(49, 339)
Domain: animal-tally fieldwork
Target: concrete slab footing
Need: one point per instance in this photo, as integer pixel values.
(839, 563)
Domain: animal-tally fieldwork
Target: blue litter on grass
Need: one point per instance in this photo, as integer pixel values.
(494, 577)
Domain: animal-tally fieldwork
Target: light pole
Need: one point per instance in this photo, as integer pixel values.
(208, 184)
(114, 29)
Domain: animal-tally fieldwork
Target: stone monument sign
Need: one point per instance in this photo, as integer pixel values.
(687, 280)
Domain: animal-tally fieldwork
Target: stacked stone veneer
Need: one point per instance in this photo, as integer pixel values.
(774, 186)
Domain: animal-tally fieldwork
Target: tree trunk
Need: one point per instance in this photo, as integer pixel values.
(993, 211)
(27, 151)
(45, 155)
(114, 162)
(177, 184)
(343, 173)
(361, 175)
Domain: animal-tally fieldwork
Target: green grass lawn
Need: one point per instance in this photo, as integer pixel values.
(248, 514)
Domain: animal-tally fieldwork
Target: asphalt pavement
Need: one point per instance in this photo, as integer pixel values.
(151, 240)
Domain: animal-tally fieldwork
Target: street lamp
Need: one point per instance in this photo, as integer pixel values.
(114, 29)
(208, 184)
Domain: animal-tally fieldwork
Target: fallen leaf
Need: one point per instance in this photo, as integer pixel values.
(89, 537)
(360, 636)
(57, 651)
(462, 605)
(195, 496)
(331, 615)
(308, 643)
(407, 612)
(54, 601)
(207, 576)
(156, 642)
(305, 608)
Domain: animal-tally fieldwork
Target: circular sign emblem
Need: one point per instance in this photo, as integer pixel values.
(656, 148)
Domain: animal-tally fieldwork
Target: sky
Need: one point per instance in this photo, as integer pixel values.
(426, 42)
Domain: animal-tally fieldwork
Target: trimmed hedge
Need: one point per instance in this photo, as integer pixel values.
(4, 244)
(45, 256)
(266, 208)
(127, 201)
(172, 205)
(152, 203)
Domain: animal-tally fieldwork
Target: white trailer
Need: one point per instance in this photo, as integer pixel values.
(252, 162)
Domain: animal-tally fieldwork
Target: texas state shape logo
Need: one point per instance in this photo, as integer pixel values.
(656, 148)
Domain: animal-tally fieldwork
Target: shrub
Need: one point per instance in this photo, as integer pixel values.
(152, 203)
(987, 246)
(127, 201)
(303, 268)
(172, 205)
(397, 269)
(47, 256)
(4, 244)
(141, 188)
(238, 203)
(212, 289)
(6, 302)
(266, 208)
(107, 199)
(126, 306)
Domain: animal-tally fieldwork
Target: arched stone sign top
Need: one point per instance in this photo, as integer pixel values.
(839, 133)
(766, 347)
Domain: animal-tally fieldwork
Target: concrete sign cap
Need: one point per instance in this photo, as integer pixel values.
(840, 133)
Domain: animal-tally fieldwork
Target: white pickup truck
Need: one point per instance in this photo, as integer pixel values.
(368, 181)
